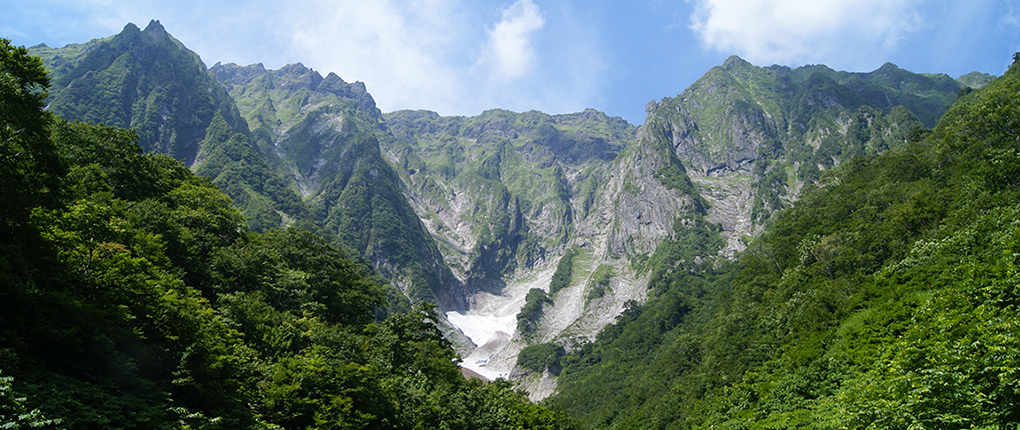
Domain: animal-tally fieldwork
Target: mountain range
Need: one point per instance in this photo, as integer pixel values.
(476, 213)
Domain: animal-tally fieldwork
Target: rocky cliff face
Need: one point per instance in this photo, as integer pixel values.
(510, 194)
(732, 149)
(751, 137)
(503, 190)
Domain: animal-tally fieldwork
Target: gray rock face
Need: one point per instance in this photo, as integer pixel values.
(634, 209)
(752, 137)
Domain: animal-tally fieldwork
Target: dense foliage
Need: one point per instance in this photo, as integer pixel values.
(886, 297)
(541, 357)
(133, 296)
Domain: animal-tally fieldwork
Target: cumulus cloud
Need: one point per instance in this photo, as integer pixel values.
(402, 50)
(800, 31)
(509, 51)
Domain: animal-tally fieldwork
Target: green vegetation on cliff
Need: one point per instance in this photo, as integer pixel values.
(511, 177)
(564, 270)
(531, 313)
(263, 197)
(784, 127)
(541, 357)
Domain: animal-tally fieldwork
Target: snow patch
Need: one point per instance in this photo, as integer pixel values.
(491, 324)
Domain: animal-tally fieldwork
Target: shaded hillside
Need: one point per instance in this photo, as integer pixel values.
(148, 81)
(140, 79)
(163, 90)
(884, 298)
(264, 197)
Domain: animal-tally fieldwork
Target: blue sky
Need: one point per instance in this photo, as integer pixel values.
(460, 57)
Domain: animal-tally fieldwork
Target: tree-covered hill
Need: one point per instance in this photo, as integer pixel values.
(133, 296)
(886, 297)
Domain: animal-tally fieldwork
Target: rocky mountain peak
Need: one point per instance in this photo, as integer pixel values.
(296, 77)
(156, 30)
(888, 67)
(735, 62)
(129, 28)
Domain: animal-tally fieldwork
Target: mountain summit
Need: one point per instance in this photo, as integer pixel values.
(140, 79)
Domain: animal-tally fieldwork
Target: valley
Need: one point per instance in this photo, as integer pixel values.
(473, 212)
(773, 245)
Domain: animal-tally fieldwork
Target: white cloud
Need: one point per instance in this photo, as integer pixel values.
(509, 51)
(801, 31)
(402, 50)
(457, 57)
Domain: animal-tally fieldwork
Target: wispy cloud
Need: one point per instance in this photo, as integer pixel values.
(1011, 16)
(801, 31)
(509, 52)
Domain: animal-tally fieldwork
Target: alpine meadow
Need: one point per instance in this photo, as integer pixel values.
(185, 246)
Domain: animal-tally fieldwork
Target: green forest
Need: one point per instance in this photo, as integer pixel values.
(885, 297)
(133, 295)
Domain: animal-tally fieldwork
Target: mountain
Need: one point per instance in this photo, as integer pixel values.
(975, 79)
(517, 198)
(320, 133)
(148, 81)
(477, 213)
(196, 120)
(752, 137)
(500, 189)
